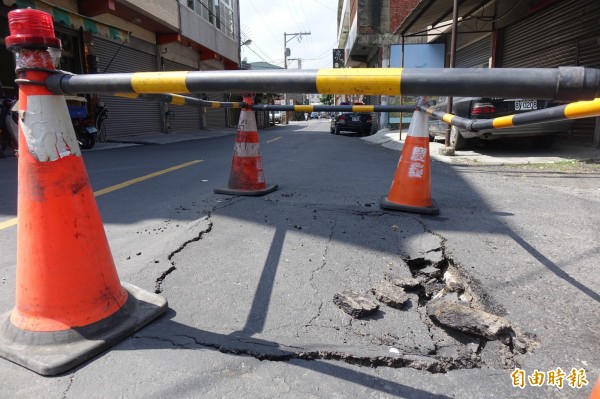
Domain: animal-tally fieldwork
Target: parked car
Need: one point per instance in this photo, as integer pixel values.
(314, 115)
(542, 134)
(276, 116)
(360, 123)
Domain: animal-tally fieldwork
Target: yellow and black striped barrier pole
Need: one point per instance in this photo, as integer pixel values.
(563, 83)
(334, 108)
(575, 110)
(177, 99)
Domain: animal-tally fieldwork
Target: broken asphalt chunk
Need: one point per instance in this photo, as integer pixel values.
(390, 294)
(468, 320)
(407, 283)
(355, 304)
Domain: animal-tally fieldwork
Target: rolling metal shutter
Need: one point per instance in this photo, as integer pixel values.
(216, 118)
(127, 116)
(588, 54)
(549, 38)
(475, 55)
(565, 33)
(185, 118)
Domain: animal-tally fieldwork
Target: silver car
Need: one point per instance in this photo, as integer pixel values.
(542, 134)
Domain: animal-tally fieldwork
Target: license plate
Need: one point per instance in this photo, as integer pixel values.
(91, 129)
(355, 119)
(525, 105)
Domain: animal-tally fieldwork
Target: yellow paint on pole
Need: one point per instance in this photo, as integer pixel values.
(127, 95)
(159, 82)
(373, 81)
(583, 109)
(448, 118)
(363, 108)
(503, 121)
(215, 105)
(303, 108)
(177, 100)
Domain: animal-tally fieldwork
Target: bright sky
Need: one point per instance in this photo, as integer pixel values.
(265, 21)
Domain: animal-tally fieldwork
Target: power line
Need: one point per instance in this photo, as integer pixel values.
(321, 4)
(260, 14)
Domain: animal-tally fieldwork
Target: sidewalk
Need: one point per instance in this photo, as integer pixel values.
(162, 138)
(563, 150)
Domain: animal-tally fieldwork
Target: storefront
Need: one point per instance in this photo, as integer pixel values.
(564, 33)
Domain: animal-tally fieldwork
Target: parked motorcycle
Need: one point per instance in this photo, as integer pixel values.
(88, 128)
(84, 125)
(9, 130)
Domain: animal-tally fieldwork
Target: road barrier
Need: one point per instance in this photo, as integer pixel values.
(177, 99)
(246, 176)
(575, 110)
(70, 304)
(563, 83)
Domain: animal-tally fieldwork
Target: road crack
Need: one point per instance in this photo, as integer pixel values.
(172, 268)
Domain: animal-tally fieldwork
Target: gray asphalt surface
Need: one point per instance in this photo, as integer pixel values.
(250, 298)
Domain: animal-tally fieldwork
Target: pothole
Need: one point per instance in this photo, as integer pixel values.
(464, 331)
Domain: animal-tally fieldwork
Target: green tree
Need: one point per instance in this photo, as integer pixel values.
(326, 99)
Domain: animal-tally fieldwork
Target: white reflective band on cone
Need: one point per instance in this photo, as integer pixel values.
(247, 121)
(48, 129)
(246, 150)
(418, 125)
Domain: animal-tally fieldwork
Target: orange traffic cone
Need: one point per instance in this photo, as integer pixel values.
(246, 176)
(411, 188)
(70, 304)
(596, 390)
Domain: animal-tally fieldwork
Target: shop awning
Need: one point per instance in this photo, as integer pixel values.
(429, 13)
(72, 20)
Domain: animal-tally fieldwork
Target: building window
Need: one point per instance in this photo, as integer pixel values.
(217, 12)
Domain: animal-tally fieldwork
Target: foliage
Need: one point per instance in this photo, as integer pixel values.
(326, 99)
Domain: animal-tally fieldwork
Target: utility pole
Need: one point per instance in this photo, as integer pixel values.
(286, 53)
(299, 61)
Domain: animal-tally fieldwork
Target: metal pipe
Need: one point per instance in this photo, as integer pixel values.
(334, 108)
(452, 58)
(575, 110)
(177, 99)
(563, 83)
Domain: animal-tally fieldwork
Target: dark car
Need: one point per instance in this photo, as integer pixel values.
(360, 123)
(542, 134)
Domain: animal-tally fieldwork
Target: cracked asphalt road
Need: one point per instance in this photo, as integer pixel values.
(250, 281)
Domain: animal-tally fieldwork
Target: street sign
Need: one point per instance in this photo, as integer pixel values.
(338, 57)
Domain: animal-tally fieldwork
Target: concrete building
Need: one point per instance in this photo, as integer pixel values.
(490, 34)
(366, 30)
(139, 36)
(516, 34)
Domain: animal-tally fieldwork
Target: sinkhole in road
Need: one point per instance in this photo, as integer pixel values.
(429, 315)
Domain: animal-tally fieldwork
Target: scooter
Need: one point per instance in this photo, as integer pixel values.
(87, 128)
(9, 130)
(84, 125)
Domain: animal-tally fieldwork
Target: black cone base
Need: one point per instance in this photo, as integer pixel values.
(51, 353)
(255, 193)
(392, 206)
